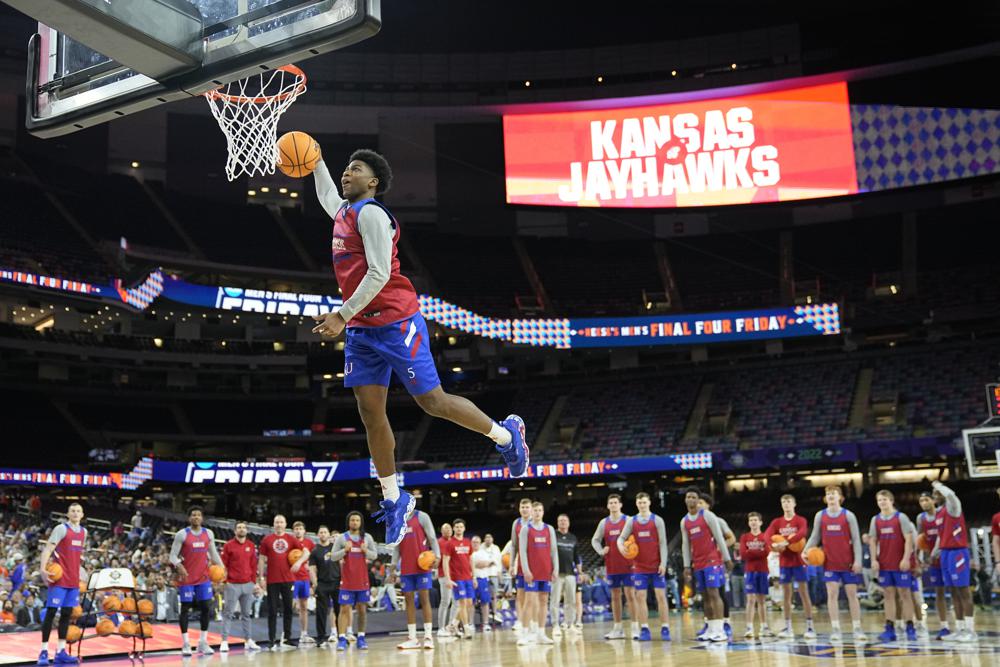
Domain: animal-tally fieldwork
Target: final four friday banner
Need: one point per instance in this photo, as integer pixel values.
(771, 146)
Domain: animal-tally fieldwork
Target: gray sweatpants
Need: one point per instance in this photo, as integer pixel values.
(237, 598)
(447, 605)
(563, 586)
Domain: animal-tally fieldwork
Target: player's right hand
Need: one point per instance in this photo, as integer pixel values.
(182, 573)
(45, 576)
(605, 551)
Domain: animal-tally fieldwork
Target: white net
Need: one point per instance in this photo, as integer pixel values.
(248, 111)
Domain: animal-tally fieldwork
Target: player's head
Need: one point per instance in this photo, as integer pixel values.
(366, 175)
(537, 511)
(458, 525)
(524, 507)
(299, 530)
(195, 516)
(280, 523)
(705, 501)
(240, 530)
(614, 503)
(446, 530)
(323, 533)
(488, 540)
(885, 500)
(788, 503)
(692, 497)
(833, 495)
(562, 523)
(74, 512)
(476, 542)
(754, 520)
(355, 522)
(926, 501)
(642, 501)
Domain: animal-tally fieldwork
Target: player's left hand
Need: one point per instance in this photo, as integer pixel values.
(856, 568)
(296, 567)
(330, 324)
(662, 571)
(904, 565)
(729, 566)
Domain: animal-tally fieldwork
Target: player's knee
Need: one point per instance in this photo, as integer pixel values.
(434, 403)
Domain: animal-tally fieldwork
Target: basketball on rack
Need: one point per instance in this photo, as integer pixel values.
(298, 154)
(105, 627)
(74, 633)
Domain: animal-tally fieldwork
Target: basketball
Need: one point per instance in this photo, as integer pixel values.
(54, 571)
(74, 633)
(76, 613)
(778, 540)
(128, 606)
(505, 560)
(111, 604)
(298, 154)
(922, 543)
(146, 629)
(105, 627)
(128, 629)
(145, 607)
(797, 547)
(631, 548)
(425, 560)
(815, 556)
(83, 586)
(294, 555)
(217, 573)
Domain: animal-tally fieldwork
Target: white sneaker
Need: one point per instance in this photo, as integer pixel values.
(428, 642)
(541, 638)
(469, 631)
(186, 649)
(767, 633)
(351, 638)
(716, 637)
(205, 649)
(787, 633)
(556, 631)
(748, 634)
(251, 645)
(285, 646)
(955, 636)
(860, 637)
(526, 639)
(809, 634)
(445, 632)
(224, 647)
(615, 634)
(969, 637)
(411, 643)
(487, 628)
(835, 637)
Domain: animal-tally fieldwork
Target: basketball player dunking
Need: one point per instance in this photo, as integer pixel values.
(386, 333)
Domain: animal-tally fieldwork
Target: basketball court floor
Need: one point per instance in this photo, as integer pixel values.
(500, 650)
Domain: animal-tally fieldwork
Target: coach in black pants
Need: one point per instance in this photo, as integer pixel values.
(279, 594)
(324, 574)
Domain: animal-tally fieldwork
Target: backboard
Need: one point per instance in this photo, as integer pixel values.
(982, 451)
(72, 85)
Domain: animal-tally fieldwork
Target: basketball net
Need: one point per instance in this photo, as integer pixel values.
(248, 111)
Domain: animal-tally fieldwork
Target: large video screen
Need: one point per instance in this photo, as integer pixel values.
(767, 147)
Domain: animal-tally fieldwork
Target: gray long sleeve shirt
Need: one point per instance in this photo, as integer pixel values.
(597, 541)
(376, 229)
(180, 535)
(522, 545)
(816, 538)
(429, 534)
(635, 523)
(715, 527)
(340, 547)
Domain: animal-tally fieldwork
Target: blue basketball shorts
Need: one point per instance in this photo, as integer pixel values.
(373, 354)
(301, 590)
(199, 592)
(416, 582)
(354, 597)
(756, 583)
(60, 597)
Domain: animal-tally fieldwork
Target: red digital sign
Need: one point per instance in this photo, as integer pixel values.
(765, 147)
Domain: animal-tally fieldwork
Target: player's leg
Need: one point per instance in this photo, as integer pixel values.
(750, 589)
(542, 611)
(62, 631)
(889, 602)
(854, 604)
(186, 594)
(322, 612)
(204, 595)
(286, 610)
(49, 614)
(447, 597)
(302, 593)
(273, 601)
(362, 610)
(616, 604)
(807, 607)
(428, 616)
(640, 585)
(833, 603)
(344, 618)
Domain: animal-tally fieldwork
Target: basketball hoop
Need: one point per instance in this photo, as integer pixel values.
(248, 111)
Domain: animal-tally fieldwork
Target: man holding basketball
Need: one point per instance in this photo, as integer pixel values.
(276, 575)
(191, 553)
(65, 547)
(793, 530)
(649, 568)
(386, 333)
(300, 588)
(415, 580)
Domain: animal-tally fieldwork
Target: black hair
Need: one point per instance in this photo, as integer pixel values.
(347, 522)
(195, 508)
(693, 489)
(706, 497)
(379, 166)
(927, 494)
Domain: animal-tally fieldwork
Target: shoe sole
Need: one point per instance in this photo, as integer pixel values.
(524, 443)
(411, 505)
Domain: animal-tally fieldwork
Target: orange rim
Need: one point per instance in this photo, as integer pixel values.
(300, 88)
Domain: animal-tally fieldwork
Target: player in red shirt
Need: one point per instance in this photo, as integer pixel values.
(836, 528)
(65, 546)
(891, 543)
(386, 333)
(649, 567)
(928, 527)
(278, 575)
(540, 564)
(414, 580)
(793, 573)
(956, 561)
(995, 532)
(754, 548)
(239, 557)
(618, 568)
(300, 587)
(356, 549)
(457, 564)
(704, 550)
(191, 553)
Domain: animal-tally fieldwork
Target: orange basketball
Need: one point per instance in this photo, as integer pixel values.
(922, 543)
(54, 571)
(128, 629)
(815, 556)
(76, 613)
(146, 629)
(505, 560)
(294, 555)
(425, 560)
(298, 154)
(145, 607)
(797, 547)
(74, 633)
(631, 548)
(110, 604)
(128, 606)
(83, 586)
(216, 573)
(105, 627)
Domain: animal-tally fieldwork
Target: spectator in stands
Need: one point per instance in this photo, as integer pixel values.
(28, 615)
(17, 572)
(7, 615)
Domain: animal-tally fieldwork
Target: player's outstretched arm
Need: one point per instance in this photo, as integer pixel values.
(951, 502)
(326, 189)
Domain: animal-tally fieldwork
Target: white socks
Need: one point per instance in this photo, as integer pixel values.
(428, 629)
(499, 435)
(411, 630)
(390, 489)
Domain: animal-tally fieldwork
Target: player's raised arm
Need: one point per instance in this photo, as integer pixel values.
(952, 504)
(326, 189)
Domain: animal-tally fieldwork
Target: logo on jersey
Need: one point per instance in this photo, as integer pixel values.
(833, 527)
(338, 244)
(280, 545)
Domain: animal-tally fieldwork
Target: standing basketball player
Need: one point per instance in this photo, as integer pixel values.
(916, 587)
(650, 567)
(540, 563)
(516, 574)
(415, 580)
(706, 560)
(753, 552)
(619, 568)
(65, 545)
(324, 575)
(239, 557)
(277, 575)
(726, 591)
(300, 587)
(386, 333)
(837, 529)
(927, 525)
(793, 573)
(953, 548)
(356, 549)
(891, 538)
(192, 551)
